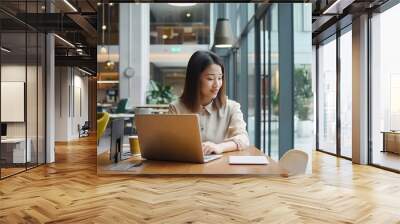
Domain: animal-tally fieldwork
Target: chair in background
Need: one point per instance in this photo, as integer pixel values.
(117, 139)
(294, 161)
(83, 130)
(121, 107)
(102, 121)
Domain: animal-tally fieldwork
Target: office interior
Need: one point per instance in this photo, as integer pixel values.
(316, 114)
(45, 88)
(254, 62)
(319, 76)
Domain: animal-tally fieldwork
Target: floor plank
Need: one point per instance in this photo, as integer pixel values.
(69, 191)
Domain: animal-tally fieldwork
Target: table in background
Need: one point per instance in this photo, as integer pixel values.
(13, 150)
(391, 141)
(129, 126)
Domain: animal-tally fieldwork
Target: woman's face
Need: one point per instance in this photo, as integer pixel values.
(210, 82)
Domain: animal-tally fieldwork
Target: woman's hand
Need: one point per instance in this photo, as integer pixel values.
(211, 147)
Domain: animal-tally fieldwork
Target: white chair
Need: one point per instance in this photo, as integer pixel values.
(294, 161)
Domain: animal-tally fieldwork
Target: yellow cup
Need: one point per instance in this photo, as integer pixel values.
(134, 144)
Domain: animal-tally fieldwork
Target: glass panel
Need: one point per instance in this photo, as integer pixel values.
(13, 86)
(251, 78)
(41, 98)
(250, 11)
(238, 73)
(263, 84)
(32, 90)
(385, 83)
(327, 96)
(108, 56)
(274, 83)
(265, 88)
(346, 94)
(31, 98)
(304, 137)
(230, 77)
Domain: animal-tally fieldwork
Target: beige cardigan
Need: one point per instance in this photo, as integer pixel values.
(225, 124)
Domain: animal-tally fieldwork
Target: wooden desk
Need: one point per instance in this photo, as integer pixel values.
(13, 150)
(217, 167)
(391, 141)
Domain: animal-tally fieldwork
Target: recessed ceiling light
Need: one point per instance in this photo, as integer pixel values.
(84, 71)
(65, 41)
(223, 45)
(182, 4)
(335, 7)
(108, 81)
(70, 5)
(5, 50)
(110, 4)
(188, 15)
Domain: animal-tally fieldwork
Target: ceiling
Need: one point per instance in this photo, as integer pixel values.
(75, 22)
(328, 17)
(168, 14)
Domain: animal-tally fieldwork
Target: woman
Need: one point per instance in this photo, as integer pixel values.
(221, 121)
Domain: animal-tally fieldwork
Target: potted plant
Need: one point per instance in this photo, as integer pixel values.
(303, 97)
(159, 94)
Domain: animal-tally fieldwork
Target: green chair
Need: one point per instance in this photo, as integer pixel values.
(121, 107)
(102, 121)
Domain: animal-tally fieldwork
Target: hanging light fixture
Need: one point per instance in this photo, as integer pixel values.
(103, 49)
(109, 63)
(223, 37)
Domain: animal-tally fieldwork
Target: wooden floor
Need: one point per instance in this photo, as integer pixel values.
(387, 159)
(5, 172)
(70, 192)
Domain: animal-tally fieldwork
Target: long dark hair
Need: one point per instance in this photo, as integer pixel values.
(198, 62)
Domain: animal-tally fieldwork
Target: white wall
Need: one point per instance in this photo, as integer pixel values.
(71, 94)
(80, 109)
(33, 126)
(16, 73)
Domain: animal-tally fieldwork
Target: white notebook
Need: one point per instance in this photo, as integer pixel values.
(257, 160)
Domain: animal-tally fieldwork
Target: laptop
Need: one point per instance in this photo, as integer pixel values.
(171, 138)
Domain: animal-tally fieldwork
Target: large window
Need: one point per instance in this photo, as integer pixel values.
(269, 84)
(251, 78)
(264, 82)
(263, 90)
(274, 94)
(304, 136)
(22, 77)
(346, 93)
(385, 87)
(327, 96)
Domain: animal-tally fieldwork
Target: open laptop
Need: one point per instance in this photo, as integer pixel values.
(171, 138)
